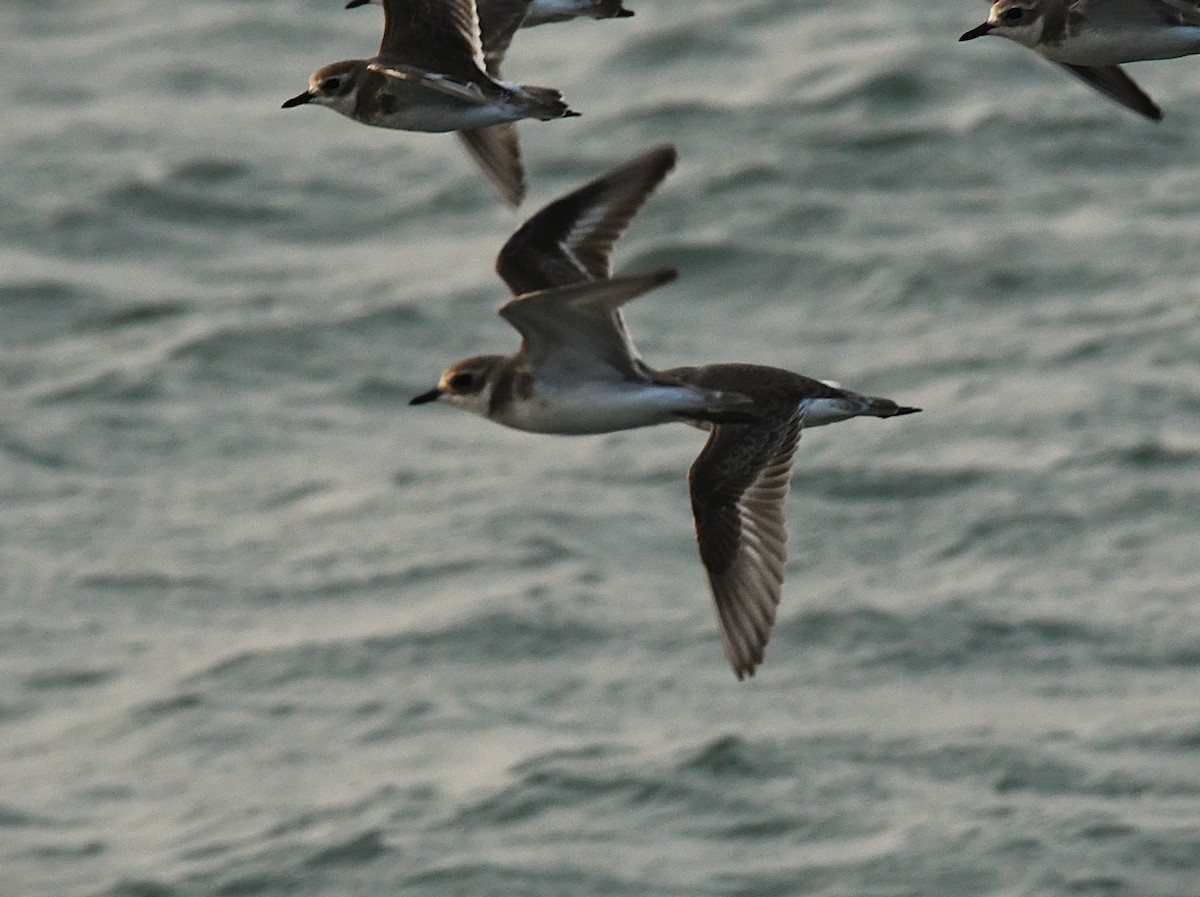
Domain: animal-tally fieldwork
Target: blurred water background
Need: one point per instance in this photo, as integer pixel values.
(266, 630)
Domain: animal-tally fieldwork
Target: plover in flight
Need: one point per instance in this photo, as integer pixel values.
(578, 372)
(431, 74)
(542, 12)
(1091, 38)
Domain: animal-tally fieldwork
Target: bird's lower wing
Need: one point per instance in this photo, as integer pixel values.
(497, 152)
(1112, 81)
(739, 485)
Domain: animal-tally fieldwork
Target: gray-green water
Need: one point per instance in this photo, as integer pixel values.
(268, 631)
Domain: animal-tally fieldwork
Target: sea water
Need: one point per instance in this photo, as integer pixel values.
(267, 630)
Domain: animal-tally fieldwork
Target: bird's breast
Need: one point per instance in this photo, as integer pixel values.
(591, 409)
(414, 107)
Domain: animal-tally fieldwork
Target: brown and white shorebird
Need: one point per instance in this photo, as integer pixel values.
(577, 372)
(1092, 38)
(432, 74)
(543, 12)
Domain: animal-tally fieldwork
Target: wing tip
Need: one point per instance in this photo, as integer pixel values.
(744, 672)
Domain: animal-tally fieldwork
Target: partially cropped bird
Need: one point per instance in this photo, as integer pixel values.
(432, 74)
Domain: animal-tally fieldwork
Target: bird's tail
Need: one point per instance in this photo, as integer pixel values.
(545, 103)
(819, 411)
(872, 406)
(608, 9)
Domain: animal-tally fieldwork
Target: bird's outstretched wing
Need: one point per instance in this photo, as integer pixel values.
(434, 35)
(1112, 81)
(570, 240)
(739, 485)
(578, 329)
(497, 152)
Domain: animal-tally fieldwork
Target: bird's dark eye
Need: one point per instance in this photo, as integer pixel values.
(331, 84)
(1013, 14)
(459, 382)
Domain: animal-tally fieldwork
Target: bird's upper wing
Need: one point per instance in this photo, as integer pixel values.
(570, 240)
(578, 329)
(434, 35)
(1117, 13)
(498, 22)
(739, 485)
(1182, 12)
(1112, 81)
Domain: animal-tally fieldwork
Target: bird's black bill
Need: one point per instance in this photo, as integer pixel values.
(426, 397)
(300, 100)
(983, 29)
(354, 3)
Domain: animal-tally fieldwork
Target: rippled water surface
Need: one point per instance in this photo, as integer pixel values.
(266, 630)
